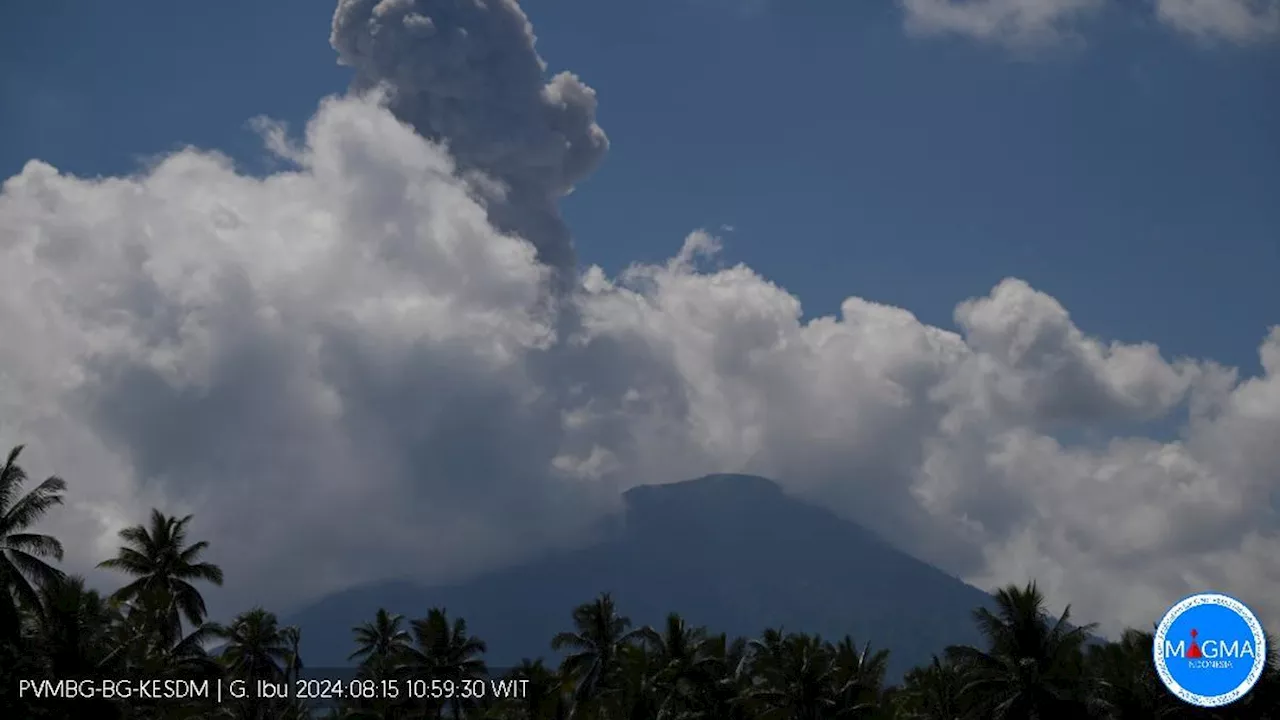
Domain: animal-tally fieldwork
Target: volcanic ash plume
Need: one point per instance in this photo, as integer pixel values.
(465, 73)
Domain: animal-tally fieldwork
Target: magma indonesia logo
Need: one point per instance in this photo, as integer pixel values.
(1210, 650)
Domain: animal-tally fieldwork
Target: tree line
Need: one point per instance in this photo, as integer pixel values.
(1032, 665)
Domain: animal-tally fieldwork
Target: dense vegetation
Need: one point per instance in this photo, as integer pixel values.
(154, 626)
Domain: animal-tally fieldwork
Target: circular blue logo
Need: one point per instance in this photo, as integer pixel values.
(1209, 650)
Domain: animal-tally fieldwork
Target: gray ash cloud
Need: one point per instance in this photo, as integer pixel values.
(466, 73)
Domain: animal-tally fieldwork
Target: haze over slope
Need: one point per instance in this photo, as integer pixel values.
(357, 367)
(731, 552)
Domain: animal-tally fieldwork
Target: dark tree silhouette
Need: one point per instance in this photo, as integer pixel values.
(164, 567)
(23, 569)
(1032, 666)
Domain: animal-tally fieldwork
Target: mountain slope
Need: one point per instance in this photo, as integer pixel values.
(728, 551)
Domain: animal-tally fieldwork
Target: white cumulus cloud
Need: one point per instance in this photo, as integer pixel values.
(346, 372)
(1020, 24)
(1234, 21)
(362, 367)
(1027, 25)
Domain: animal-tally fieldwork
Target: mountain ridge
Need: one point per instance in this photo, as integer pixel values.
(732, 552)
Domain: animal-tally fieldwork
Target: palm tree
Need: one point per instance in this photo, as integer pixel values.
(382, 646)
(858, 677)
(380, 642)
(72, 638)
(542, 692)
(147, 651)
(722, 690)
(1125, 680)
(932, 692)
(22, 569)
(769, 648)
(141, 650)
(257, 646)
(74, 633)
(295, 708)
(593, 663)
(680, 654)
(23, 573)
(165, 567)
(795, 679)
(292, 636)
(1033, 668)
(766, 651)
(1263, 701)
(444, 650)
(640, 690)
(256, 649)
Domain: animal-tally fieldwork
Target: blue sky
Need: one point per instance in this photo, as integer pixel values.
(360, 326)
(1133, 176)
